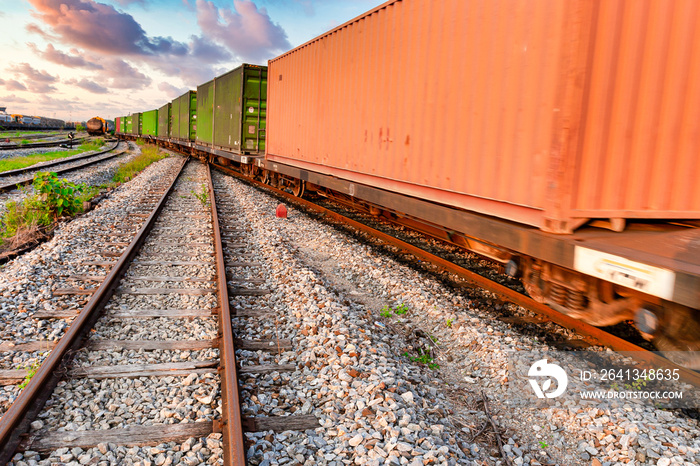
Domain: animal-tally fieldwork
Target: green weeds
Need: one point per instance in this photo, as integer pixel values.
(31, 372)
(127, 171)
(52, 198)
(203, 196)
(399, 310)
(423, 357)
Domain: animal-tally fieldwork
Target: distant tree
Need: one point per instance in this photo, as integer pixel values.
(79, 128)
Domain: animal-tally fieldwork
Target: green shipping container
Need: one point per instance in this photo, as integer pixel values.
(164, 121)
(184, 116)
(149, 123)
(129, 125)
(232, 109)
(135, 123)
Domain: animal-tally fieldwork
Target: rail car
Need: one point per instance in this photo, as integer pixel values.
(563, 152)
(98, 126)
(18, 121)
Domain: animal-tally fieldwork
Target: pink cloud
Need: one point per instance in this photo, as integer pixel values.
(13, 99)
(73, 60)
(99, 27)
(170, 90)
(32, 74)
(13, 85)
(246, 30)
(88, 85)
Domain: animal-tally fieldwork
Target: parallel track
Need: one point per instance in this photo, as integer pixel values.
(39, 145)
(593, 335)
(93, 159)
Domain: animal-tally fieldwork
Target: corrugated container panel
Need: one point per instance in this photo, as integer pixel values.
(440, 100)
(184, 116)
(175, 119)
(192, 117)
(205, 113)
(540, 112)
(118, 125)
(164, 121)
(135, 123)
(641, 139)
(149, 126)
(240, 98)
(129, 125)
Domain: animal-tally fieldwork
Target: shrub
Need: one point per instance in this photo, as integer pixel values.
(59, 196)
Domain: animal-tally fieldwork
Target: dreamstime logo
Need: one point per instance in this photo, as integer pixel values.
(542, 369)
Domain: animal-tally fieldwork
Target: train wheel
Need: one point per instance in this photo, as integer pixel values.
(298, 187)
(265, 177)
(675, 332)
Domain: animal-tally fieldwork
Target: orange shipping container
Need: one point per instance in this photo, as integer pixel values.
(547, 112)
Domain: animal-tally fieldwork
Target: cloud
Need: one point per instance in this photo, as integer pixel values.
(13, 99)
(13, 85)
(74, 60)
(32, 74)
(101, 28)
(172, 91)
(122, 75)
(36, 81)
(90, 86)
(246, 31)
(129, 2)
(207, 51)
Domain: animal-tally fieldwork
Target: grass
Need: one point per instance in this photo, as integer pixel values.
(20, 162)
(149, 154)
(31, 372)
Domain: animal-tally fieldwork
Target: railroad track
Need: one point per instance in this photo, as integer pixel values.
(164, 279)
(589, 334)
(9, 180)
(38, 145)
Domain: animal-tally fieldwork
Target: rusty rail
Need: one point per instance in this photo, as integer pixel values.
(15, 422)
(593, 334)
(232, 427)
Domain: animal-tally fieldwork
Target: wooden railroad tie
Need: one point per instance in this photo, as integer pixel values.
(161, 433)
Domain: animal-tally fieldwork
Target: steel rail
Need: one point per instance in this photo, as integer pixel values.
(232, 427)
(30, 180)
(593, 334)
(16, 421)
(19, 171)
(39, 145)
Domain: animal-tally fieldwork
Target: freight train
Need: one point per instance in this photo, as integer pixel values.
(560, 140)
(17, 121)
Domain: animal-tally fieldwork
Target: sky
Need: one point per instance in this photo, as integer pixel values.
(76, 59)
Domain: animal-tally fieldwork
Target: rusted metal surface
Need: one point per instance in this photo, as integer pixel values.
(234, 447)
(546, 113)
(593, 334)
(640, 135)
(16, 420)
